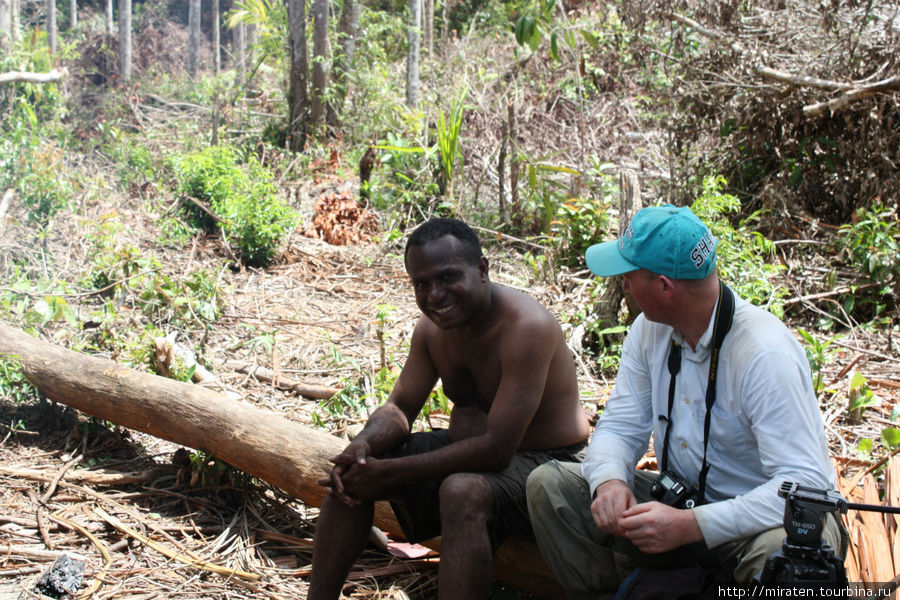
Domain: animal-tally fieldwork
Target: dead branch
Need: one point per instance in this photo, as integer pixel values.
(27, 77)
(177, 556)
(707, 32)
(851, 96)
(852, 93)
(108, 478)
(308, 390)
(802, 80)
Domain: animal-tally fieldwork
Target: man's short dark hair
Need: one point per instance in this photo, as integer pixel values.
(436, 228)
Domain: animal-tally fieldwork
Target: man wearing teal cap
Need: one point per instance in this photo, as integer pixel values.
(724, 389)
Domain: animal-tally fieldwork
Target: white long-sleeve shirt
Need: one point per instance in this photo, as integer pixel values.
(766, 427)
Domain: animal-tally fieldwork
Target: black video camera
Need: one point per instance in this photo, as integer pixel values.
(804, 559)
(671, 489)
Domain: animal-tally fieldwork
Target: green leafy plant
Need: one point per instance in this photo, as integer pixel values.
(744, 255)
(382, 316)
(404, 179)
(437, 403)
(210, 177)
(32, 303)
(270, 20)
(209, 471)
(31, 52)
(541, 268)
(449, 143)
(872, 243)
(582, 222)
(816, 356)
(258, 222)
(604, 343)
(34, 167)
(13, 384)
(860, 397)
(529, 27)
(241, 202)
(890, 438)
(546, 188)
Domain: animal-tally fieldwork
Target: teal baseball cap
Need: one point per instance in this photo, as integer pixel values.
(664, 239)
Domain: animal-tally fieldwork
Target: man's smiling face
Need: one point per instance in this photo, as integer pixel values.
(448, 289)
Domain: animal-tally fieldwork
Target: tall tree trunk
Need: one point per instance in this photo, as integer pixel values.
(73, 14)
(429, 27)
(110, 24)
(239, 53)
(217, 37)
(320, 64)
(297, 95)
(348, 28)
(51, 26)
(14, 19)
(193, 57)
(5, 23)
(412, 56)
(125, 40)
(445, 24)
(513, 156)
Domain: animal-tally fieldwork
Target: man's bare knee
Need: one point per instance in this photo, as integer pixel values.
(465, 494)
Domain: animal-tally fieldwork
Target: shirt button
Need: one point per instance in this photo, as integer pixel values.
(684, 444)
(687, 400)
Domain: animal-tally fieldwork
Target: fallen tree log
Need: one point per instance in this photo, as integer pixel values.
(289, 455)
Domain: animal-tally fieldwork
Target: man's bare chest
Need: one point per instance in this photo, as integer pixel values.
(470, 376)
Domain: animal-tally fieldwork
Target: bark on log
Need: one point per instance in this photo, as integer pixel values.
(286, 454)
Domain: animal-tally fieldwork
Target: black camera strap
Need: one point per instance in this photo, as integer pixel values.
(724, 316)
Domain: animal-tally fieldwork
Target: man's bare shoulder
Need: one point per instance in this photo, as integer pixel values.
(524, 309)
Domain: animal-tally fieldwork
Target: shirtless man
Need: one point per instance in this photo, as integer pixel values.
(503, 361)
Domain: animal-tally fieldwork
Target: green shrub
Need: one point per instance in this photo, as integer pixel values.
(582, 222)
(33, 166)
(13, 384)
(257, 221)
(210, 177)
(744, 256)
(871, 243)
(243, 199)
(43, 188)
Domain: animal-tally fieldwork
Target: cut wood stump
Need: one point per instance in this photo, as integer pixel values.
(289, 455)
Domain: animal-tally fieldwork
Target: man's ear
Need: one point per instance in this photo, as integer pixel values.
(667, 285)
(483, 268)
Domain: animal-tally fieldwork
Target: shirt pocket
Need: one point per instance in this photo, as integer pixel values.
(730, 435)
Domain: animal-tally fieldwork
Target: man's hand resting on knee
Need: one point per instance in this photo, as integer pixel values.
(652, 526)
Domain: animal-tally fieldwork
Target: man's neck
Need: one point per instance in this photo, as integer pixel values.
(481, 321)
(696, 311)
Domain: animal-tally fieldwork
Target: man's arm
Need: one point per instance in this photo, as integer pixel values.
(390, 424)
(622, 434)
(787, 428)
